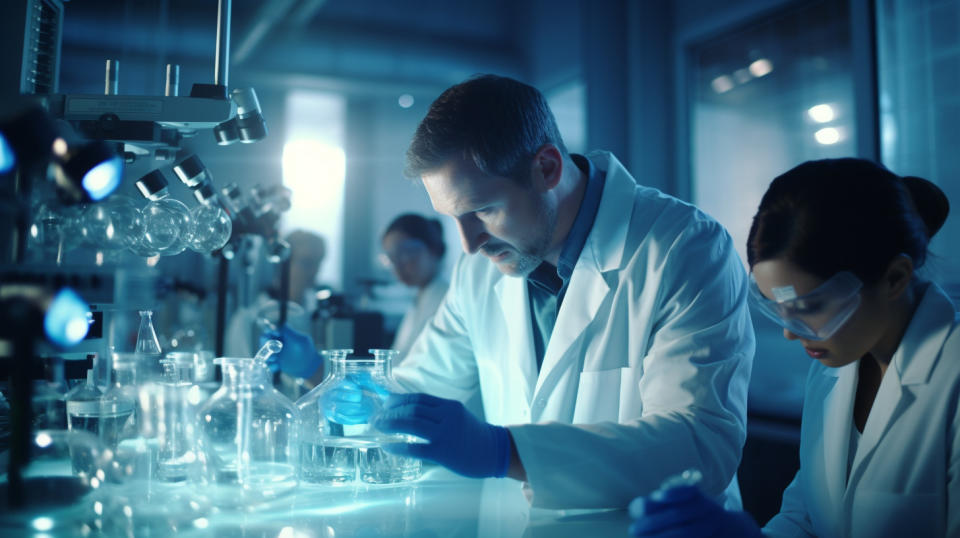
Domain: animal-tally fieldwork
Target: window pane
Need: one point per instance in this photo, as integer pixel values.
(766, 97)
(919, 70)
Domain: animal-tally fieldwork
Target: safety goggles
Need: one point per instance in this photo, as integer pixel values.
(816, 315)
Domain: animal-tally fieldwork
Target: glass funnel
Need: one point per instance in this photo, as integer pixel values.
(338, 443)
(247, 436)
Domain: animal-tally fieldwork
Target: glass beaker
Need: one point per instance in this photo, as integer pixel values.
(246, 436)
(338, 451)
(83, 408)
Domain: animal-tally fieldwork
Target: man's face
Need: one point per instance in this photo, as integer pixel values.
(510, 223)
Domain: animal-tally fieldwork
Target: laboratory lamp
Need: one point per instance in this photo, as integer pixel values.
(26, 140)
(87, 171)
(7, 159)
(84, 171)
(31, 312)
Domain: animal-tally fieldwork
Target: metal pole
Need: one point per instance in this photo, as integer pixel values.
(222, 62)
(222, 278)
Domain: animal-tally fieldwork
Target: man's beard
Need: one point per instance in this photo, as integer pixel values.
(528, 259)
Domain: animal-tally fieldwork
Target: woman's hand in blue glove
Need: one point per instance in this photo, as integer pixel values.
(685, 511)
(456, 439)
(298, 358)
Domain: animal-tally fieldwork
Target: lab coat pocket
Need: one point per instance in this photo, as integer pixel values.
(883, 513)
(599, 395)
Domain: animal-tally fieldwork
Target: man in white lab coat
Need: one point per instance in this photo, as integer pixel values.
(603, 323)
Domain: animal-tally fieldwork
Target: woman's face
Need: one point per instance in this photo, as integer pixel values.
(409, 258)
(854, 339)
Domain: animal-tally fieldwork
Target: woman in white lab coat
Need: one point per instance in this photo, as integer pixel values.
(833, 251)
(413, 249)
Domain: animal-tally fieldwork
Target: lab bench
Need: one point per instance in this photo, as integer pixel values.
(439, 504)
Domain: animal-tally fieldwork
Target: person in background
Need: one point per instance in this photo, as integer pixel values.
(307, 250)
(413, 248)
(834, 251)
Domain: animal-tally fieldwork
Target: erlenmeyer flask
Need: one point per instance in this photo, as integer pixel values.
(148, 346)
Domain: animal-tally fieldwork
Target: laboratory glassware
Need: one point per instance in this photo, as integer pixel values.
(98, 229)
(83, 407)
(211, 225)
(335, 453)
(148, 346)
(246, 436)
(118, 421)
(167, 221)
(167, 420)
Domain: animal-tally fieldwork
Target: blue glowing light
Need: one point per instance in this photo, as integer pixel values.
(7, 158)
(103, 178)
(68, 318)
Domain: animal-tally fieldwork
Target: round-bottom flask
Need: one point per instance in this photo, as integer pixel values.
(247, 436)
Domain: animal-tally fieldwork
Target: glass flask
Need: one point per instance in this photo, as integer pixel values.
(98, 229)
(83, 407)
(246, 436)
(148, 346)
(211, 224)
(335, 453)
(126, 219)
(167, 221)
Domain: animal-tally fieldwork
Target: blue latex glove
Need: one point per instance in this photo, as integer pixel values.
(685, 511)
(298, 358)
(457, 440)
(354, 400)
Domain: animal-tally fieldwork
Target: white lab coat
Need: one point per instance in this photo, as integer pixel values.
(419, 314)
(646, 371)
(904, 479)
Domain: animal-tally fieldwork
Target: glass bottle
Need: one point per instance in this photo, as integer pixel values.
(334, 453)
(83, 406)
(148, 346)
(118, 422)
(246, 436)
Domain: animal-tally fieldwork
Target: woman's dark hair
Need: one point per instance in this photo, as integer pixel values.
(430, 231)
(497, 123)
(848, 214)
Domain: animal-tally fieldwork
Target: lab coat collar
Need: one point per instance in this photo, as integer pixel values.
(911, 364)
(602, 252)
(837, 421)
(928, 329)
(606, 240)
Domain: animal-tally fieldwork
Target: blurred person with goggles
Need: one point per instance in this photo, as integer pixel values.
(833, 254)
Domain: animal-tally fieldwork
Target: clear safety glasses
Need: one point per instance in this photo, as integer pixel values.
(816, 315)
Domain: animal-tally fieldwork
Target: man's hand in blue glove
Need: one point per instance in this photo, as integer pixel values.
(354, 400)
(457, 440)
(298, 358)
(686, 511)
